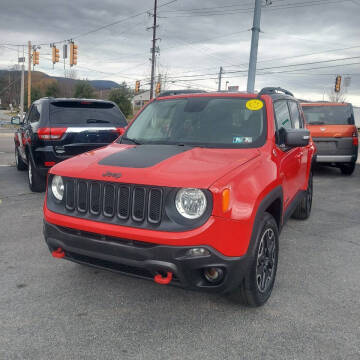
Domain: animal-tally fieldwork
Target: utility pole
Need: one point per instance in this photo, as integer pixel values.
(254, 47)
(29, 74)
(153, 52)
(22, 86)
(220, 78)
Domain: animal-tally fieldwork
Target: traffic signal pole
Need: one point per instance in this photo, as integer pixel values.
(153, 52)
(254, 47)
(22, 86)
(29, 74)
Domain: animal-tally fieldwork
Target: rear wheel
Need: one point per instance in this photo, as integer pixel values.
(347, 169)
(258, 283)
(303, 210)
(20, 165)
(37, 183)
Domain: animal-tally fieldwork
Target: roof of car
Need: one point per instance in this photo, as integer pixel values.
(274, 96)
(72, 99)
(324, 103)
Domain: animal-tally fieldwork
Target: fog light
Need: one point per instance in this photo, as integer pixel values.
(213, 275)
(194, 252)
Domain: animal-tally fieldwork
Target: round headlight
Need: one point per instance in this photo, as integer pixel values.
(57, 187)
(190, 203)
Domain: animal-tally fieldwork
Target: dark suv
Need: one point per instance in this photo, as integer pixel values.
(56, 129)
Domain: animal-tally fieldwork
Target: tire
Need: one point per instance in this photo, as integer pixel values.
(303, 210)
(258, 283)
(347, 169)
(20, 165)
(37, 183)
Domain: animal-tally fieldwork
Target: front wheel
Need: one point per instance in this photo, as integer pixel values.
(347, 169)
(37, 183)
(258, 283)
(303, 210)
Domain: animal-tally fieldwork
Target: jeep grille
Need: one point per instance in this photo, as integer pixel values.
(121, 201)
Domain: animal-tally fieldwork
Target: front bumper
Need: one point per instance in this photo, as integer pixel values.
(145, 260)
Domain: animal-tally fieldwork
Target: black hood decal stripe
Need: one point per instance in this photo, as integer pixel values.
(143, 156)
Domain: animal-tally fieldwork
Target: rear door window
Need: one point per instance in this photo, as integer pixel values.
(34, 115)
(85, 114)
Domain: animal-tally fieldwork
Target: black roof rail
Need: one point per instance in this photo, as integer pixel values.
(274, 90)
(180, 92)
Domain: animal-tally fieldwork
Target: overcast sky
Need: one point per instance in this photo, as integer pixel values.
(196, 38)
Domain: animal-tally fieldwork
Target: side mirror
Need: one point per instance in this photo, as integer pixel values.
(16, 120)
(297, 137)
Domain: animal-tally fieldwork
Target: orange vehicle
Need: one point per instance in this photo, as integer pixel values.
(334, 133)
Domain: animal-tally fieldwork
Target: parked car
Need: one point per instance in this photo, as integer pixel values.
(16, 120)
(195, 193)
(333, 130)
(57, 129)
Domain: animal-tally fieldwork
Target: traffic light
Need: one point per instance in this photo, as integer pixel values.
(73, 54)
(137, 86)
(338, 83)
(36, 57)
(158, 88)
(55, 54)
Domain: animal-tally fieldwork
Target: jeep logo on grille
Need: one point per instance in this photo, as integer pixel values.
(110, 174)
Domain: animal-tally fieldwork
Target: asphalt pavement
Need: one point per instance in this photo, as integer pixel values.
(55, 309)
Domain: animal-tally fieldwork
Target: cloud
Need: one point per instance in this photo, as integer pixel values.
(194, 40)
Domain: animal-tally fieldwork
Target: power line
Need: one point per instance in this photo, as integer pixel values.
(248, 10)
(97, 28)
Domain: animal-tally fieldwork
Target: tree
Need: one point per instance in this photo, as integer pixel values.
(337, 96)
(36, 94)
(53, 89)
(83, 89)
(121, 96)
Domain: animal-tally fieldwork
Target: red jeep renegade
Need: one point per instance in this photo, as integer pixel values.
(194, 193)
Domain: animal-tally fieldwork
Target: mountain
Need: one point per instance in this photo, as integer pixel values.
(38, 76)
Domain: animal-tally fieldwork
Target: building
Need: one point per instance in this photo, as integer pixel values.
(139, 100)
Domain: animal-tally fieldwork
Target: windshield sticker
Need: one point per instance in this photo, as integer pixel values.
(242, 140)
(254, 105)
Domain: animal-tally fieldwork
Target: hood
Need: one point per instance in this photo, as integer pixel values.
(162, 165)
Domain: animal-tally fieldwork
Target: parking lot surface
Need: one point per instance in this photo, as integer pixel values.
(55, 309)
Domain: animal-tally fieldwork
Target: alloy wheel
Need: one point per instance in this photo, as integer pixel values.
(266, 261)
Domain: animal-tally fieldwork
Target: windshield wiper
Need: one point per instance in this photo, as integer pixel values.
(134, 141)
(96, 121)
(316, 123)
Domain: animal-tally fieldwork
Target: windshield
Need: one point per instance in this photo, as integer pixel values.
(329, 115)
(200, 121)
(89, 113)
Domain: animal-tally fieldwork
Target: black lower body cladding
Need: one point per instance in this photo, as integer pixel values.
(145, 260)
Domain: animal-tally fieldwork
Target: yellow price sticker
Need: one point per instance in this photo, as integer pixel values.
(254, 104)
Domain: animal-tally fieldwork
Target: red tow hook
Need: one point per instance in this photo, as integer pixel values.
(163, 280)
(58, 253)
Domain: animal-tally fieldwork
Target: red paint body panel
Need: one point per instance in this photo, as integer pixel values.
(194, 168)
(215, 232)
